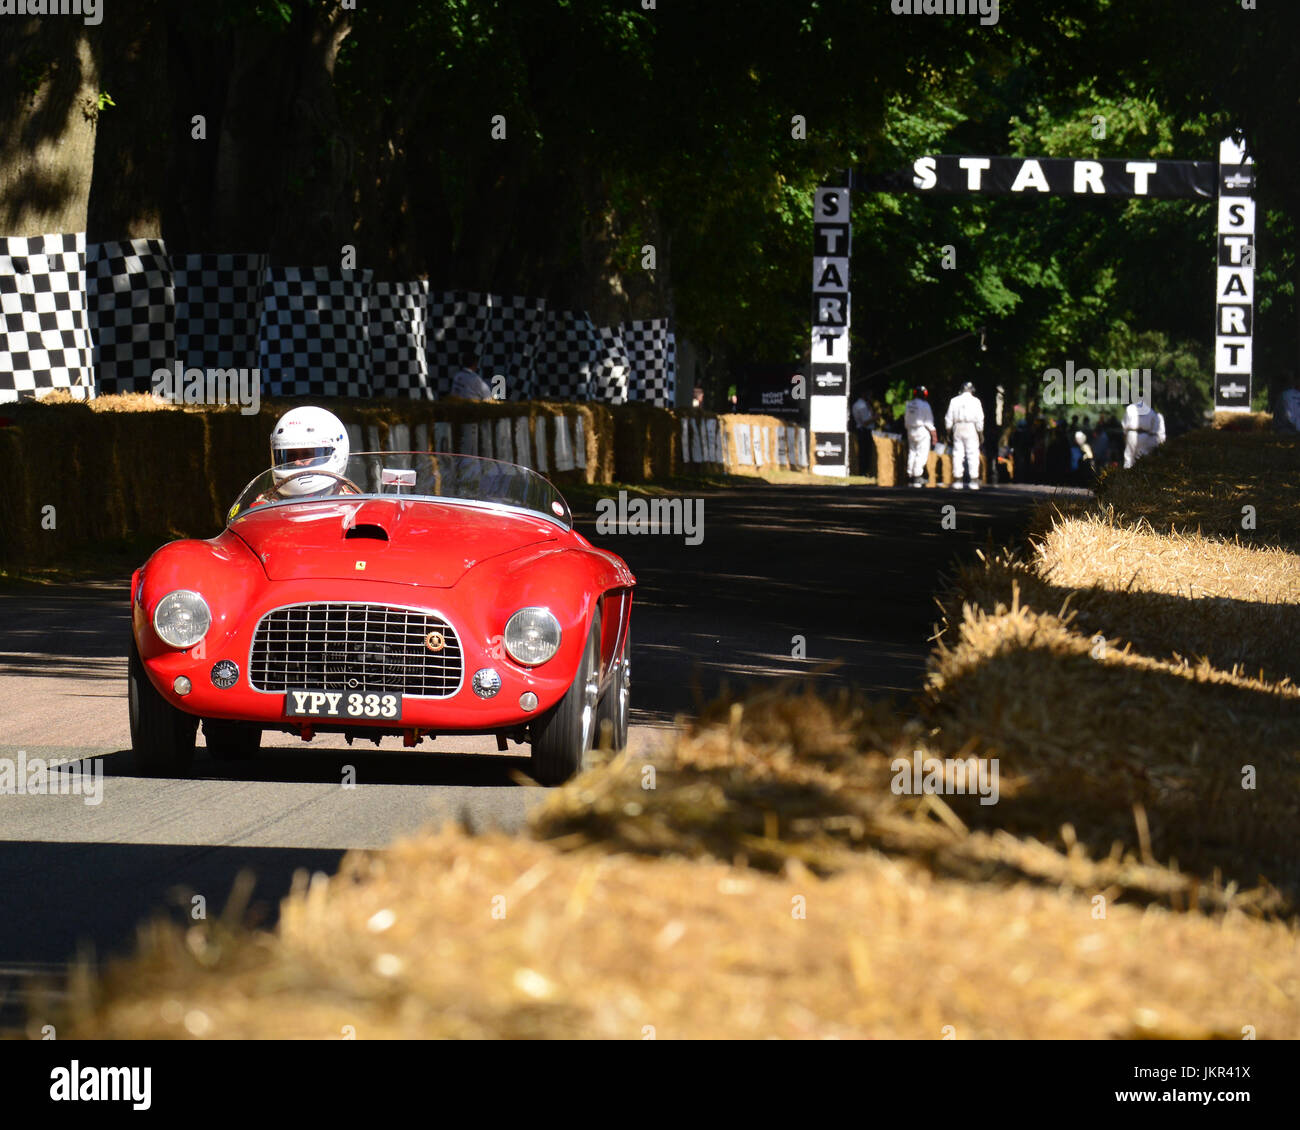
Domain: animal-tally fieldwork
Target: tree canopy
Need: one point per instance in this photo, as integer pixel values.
(539, 146)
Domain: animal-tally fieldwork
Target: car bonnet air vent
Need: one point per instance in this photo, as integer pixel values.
(367, 530)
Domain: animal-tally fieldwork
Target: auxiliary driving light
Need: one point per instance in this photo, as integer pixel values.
(486, 682)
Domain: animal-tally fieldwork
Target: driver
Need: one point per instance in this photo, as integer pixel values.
(306, 439)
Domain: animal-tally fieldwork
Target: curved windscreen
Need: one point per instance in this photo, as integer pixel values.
(429, 476)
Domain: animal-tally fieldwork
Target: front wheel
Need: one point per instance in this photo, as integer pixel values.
(162, 737)
(615, 704)
(231, 741)
(562, 738)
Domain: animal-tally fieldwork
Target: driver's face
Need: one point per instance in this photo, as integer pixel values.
(301, 457)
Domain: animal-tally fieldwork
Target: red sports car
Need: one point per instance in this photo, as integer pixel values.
(416, 594)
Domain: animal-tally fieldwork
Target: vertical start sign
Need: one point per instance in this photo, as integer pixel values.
(828, 400)
(1235, 299)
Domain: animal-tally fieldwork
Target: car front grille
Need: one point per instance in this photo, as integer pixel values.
(355, 647)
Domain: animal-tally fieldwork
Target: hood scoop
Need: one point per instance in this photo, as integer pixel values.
(370, 521)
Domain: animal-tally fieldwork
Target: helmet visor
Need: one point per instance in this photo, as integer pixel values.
(299, 458)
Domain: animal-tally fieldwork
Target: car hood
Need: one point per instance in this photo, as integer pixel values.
(408, 542)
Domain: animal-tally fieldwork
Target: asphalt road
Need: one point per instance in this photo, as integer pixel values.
(852, 570)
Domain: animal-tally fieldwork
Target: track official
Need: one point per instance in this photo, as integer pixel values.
(1144, 431)
(965, 424)
(918, 423)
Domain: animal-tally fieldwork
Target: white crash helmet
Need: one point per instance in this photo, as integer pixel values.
(306, 438)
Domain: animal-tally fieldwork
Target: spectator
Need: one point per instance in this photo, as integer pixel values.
(862, 423)
(1100, 444)
(1020, 443)
(1114, 438)
(1058, 453)
(466, 383)
(1083, 462)
(1286, 417)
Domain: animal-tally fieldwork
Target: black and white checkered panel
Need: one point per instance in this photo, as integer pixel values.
(398, 350)
(456, 321)
(568, 357)
(218, 307)
(44, 333)
(314, 332)
(131, 307)
(614, 372)
(652, 354)
(509, 342)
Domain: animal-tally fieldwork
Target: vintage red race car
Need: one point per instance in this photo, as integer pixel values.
(415, 594)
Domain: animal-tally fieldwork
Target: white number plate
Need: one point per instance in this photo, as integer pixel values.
(378, 706)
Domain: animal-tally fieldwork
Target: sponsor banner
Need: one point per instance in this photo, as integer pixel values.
(1236, 180)
(1231, 393)
(1042, 176)
(771, 390)
(830, 380)
(829, 449)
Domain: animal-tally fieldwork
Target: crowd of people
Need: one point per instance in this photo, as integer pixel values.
(1060, 450)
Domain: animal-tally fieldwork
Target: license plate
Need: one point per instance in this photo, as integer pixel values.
(374, 705)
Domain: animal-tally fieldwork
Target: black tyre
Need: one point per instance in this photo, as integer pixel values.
(562, 737)
(162, 737)
(231, 741)
(616, 702)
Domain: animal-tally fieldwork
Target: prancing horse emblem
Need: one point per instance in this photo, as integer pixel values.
(435, 641)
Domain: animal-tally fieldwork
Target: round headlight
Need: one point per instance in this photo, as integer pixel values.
(182, 618)
(532, 636)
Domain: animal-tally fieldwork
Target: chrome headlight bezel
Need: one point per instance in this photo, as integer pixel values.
(199, 619)
(532, 636)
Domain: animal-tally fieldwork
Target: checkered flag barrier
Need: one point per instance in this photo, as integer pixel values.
(456, 321)
(508, 342)
(568, 357)
(652, 356)
(131, 307)
(218, 308)
(313, 336)
(398, 348)
(614, 370)
(45, 339)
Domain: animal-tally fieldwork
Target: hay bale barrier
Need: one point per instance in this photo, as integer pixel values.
(131, 469)
(1132, 880)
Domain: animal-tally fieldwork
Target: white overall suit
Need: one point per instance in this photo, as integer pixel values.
(918, 422)
(965, 424)
(1144, 431)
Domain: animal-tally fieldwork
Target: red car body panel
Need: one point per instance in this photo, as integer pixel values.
(474, 565)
